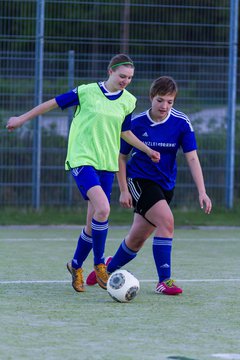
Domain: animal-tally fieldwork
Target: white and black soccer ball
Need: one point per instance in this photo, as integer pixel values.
(122, 286)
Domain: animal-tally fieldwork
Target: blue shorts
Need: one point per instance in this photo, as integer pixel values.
(86, 177)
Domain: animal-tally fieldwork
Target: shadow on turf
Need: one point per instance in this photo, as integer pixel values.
(180, 358)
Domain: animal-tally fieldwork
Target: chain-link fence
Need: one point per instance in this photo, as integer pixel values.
(49, 47)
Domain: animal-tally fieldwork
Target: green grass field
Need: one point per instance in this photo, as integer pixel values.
(42, 317)
(119, 216)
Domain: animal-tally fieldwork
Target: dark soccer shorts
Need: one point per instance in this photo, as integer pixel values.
(146, 193)
(87, 176)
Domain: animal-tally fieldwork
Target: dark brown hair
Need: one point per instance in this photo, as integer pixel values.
(164, 85)
(120, 59)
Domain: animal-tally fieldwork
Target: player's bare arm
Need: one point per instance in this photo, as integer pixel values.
(16, 121)
(196, 171)
(125, 198)
(131, 139)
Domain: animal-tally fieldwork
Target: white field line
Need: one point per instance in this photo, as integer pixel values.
(113, 239)
(2, 282)
(227, 356)
(36, 239)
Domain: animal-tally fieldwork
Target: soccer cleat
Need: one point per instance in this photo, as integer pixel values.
(101, 275)
(77, 277)
(91, 279)
(167, 287)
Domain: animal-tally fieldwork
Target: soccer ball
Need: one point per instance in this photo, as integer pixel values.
(122, 286)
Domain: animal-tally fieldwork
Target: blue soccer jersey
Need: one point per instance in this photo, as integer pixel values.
(167, 137)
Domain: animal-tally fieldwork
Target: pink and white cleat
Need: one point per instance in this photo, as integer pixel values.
(167, 287)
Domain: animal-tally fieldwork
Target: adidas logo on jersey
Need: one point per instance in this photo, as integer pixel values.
(145, 134)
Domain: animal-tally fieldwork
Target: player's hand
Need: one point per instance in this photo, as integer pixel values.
(14, 122)
(126, 199)
(205, 203)
(154, 155)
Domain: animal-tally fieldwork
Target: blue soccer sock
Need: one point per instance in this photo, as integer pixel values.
(162, 248)
(99, 236)
(84, 246)
(121, 257)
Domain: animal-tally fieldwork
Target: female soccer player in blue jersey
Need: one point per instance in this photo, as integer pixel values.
(149, 187)
(102, 116)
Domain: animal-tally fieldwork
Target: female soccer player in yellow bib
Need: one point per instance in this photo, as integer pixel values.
(102, 116)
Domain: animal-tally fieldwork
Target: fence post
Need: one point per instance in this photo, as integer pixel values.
(36, 161)
(231, 113)
(71, 59)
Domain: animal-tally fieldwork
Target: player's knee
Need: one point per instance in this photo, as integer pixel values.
(170, 224)
(102, 213)
(166, 225)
